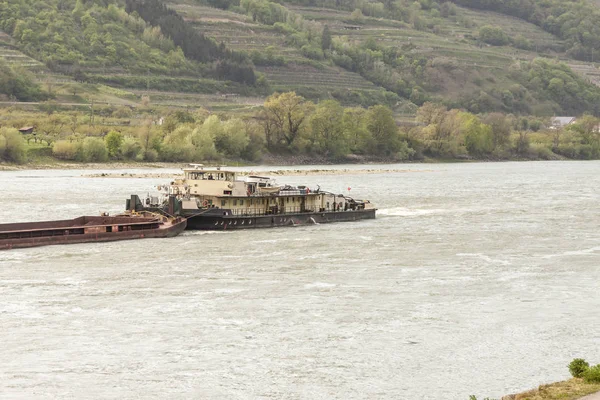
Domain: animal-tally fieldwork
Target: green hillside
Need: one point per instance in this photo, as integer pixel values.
(521, 57)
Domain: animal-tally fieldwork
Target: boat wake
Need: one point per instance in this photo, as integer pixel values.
(200, 233)
(407, 212)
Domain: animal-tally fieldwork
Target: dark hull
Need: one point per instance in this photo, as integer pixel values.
(217, 221)
(34, 241)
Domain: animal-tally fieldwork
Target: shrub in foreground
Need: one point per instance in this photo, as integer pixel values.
(578, 366)
(592, 375)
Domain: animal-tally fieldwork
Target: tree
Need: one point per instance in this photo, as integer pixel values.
(283, 119)
(587, 129)
(233, 138)
(382, 126)
(360, 139)
(500, 129)
(327, 129)
(51, 128)
(478, 137)
(204, 144)
(177, 145)
(326, 38)
(149, 140)
(113, 141)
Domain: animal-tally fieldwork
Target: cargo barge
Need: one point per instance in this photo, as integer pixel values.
(88, 229)
(217, 199)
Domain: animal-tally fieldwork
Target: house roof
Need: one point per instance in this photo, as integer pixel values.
(562, 121)
(26, 128)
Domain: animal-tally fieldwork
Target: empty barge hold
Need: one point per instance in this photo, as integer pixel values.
(88, 229)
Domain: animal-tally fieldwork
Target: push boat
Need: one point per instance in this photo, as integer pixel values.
(218, 199)
(88, 229)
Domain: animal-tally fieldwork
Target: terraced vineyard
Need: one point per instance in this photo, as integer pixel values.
(241, 33)
(331, 78)
(12, 56)
(454, 42)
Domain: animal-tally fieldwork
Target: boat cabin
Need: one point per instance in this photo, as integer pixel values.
(254, 195)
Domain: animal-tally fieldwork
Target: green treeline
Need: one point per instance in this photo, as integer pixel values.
(289, 125)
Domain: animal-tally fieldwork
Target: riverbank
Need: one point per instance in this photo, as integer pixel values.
(267, 172)
(572, 389)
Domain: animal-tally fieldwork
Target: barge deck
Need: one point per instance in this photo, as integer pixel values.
(87, 229)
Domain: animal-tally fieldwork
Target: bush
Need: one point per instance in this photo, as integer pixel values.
(65, 150)
(312, 52)
(94, 150)
(543, 152)
(493, 35)
(113, 142)
(591, 375)
(130, 148)
(578, 366)
(12, 145)
(149, 155)
(122, 112)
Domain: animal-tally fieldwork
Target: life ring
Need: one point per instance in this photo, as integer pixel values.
(205, 203)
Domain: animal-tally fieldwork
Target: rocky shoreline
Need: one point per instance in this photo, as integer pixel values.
(274, 172)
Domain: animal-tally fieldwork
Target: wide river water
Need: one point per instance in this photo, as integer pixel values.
(474, 279)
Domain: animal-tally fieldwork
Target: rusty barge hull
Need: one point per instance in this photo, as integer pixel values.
(86, 229)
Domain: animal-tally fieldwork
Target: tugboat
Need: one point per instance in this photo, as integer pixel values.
(217, 199)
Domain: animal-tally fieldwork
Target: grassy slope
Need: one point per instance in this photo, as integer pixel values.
(455, 42)
(481, 68)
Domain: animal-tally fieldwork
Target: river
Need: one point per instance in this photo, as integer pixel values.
(475, 278)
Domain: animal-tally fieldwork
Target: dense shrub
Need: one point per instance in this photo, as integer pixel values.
(66, 150)
(493, 35)
(130, 148)
(94, 150)
(12, 145)
(578, 366)
(592, 375)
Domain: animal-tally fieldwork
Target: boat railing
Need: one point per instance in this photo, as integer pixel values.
(275, 210)
(271, 211)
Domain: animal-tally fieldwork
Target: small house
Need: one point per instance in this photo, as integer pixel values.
(561, 122)
(27, 130)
